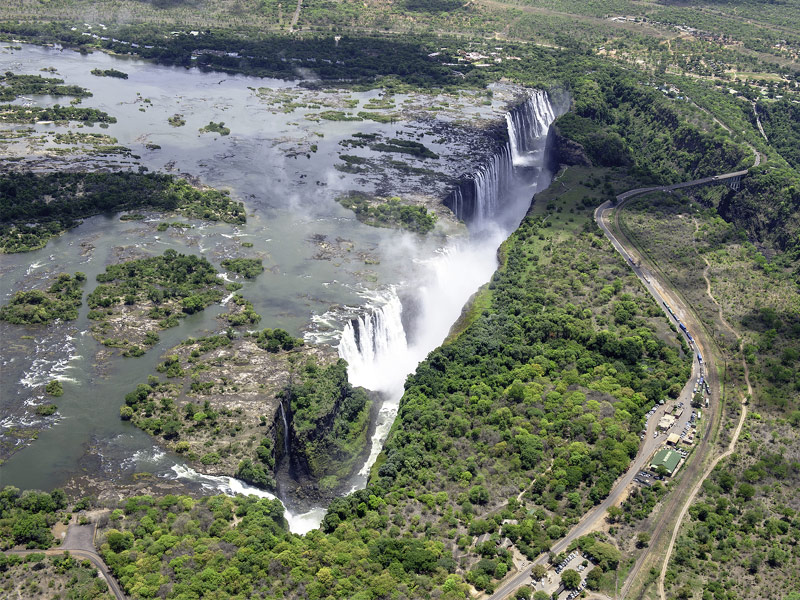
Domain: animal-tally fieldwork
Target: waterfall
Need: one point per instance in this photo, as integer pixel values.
(285, 431)
(527, 123)
(480, 196)
(379, 350)
(374, 343)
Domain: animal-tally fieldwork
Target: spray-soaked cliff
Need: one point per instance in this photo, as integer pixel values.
(401, 326)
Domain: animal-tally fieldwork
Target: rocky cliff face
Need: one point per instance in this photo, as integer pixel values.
(564, 151)
(328, 423)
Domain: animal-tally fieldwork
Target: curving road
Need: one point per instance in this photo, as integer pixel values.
(79, 542)
(661, 294)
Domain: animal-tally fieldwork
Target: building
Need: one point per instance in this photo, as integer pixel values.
(666, 422)
(673, 439)
(667, 458)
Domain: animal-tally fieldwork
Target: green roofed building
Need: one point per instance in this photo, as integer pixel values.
(667, 458)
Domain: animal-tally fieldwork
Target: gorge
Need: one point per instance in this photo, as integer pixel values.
(422, 283)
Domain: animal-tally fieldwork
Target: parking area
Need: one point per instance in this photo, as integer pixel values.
(552, 580)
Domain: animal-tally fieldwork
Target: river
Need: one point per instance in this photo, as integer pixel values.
(385, 298)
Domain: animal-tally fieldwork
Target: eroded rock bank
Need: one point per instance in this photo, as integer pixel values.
(263, 407)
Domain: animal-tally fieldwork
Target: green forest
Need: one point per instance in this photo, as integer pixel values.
(35, 207)
(36, 307)
(525, 417)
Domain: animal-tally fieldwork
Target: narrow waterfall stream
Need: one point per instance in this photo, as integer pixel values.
(285, 431)
(526, 125)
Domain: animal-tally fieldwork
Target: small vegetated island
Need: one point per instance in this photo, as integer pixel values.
(13, 113)
(35, 207)
(388, 212)
(137, 298)
(213, 127)
(13, 85)
(37, 307)
(176, 120)
(246, 267)
(109, 73)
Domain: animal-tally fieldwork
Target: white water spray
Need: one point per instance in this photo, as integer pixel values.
(527, 124)
(375, 346)
(379, 352)
(302, 523)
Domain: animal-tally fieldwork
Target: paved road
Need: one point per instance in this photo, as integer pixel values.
(79, 542)
(650, 443)
(702, 446)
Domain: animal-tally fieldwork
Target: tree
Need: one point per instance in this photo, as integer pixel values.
(614, 513)
(642, 539)
(540, 595)
(32, 530)
(571, 579)
(54, 388)
(523, 593)
(118, 541)
(746, 491)
(478, 495)
(593, 578)
(538, 571)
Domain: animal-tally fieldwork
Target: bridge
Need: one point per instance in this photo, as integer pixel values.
(733, 180)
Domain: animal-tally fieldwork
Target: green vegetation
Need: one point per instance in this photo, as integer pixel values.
(54, 388)
(215, 128)
(243, 314)
(109, 73)
(744, 520)
(329, 419)
(161, 280)
(36, 575)
(12, 86)
(219, 388)
(47, 410)
(247, 267)
(134, 294)
(416, 149)
(781, 122)
(176, 120)
(338, 115)
(741, 530)
(36, 307)
(621, 124)
(274, 340)
(13, 113)
(36, 207)
(26, 517)
(389, 213)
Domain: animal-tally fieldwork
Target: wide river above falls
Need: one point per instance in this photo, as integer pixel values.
(323, 267)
